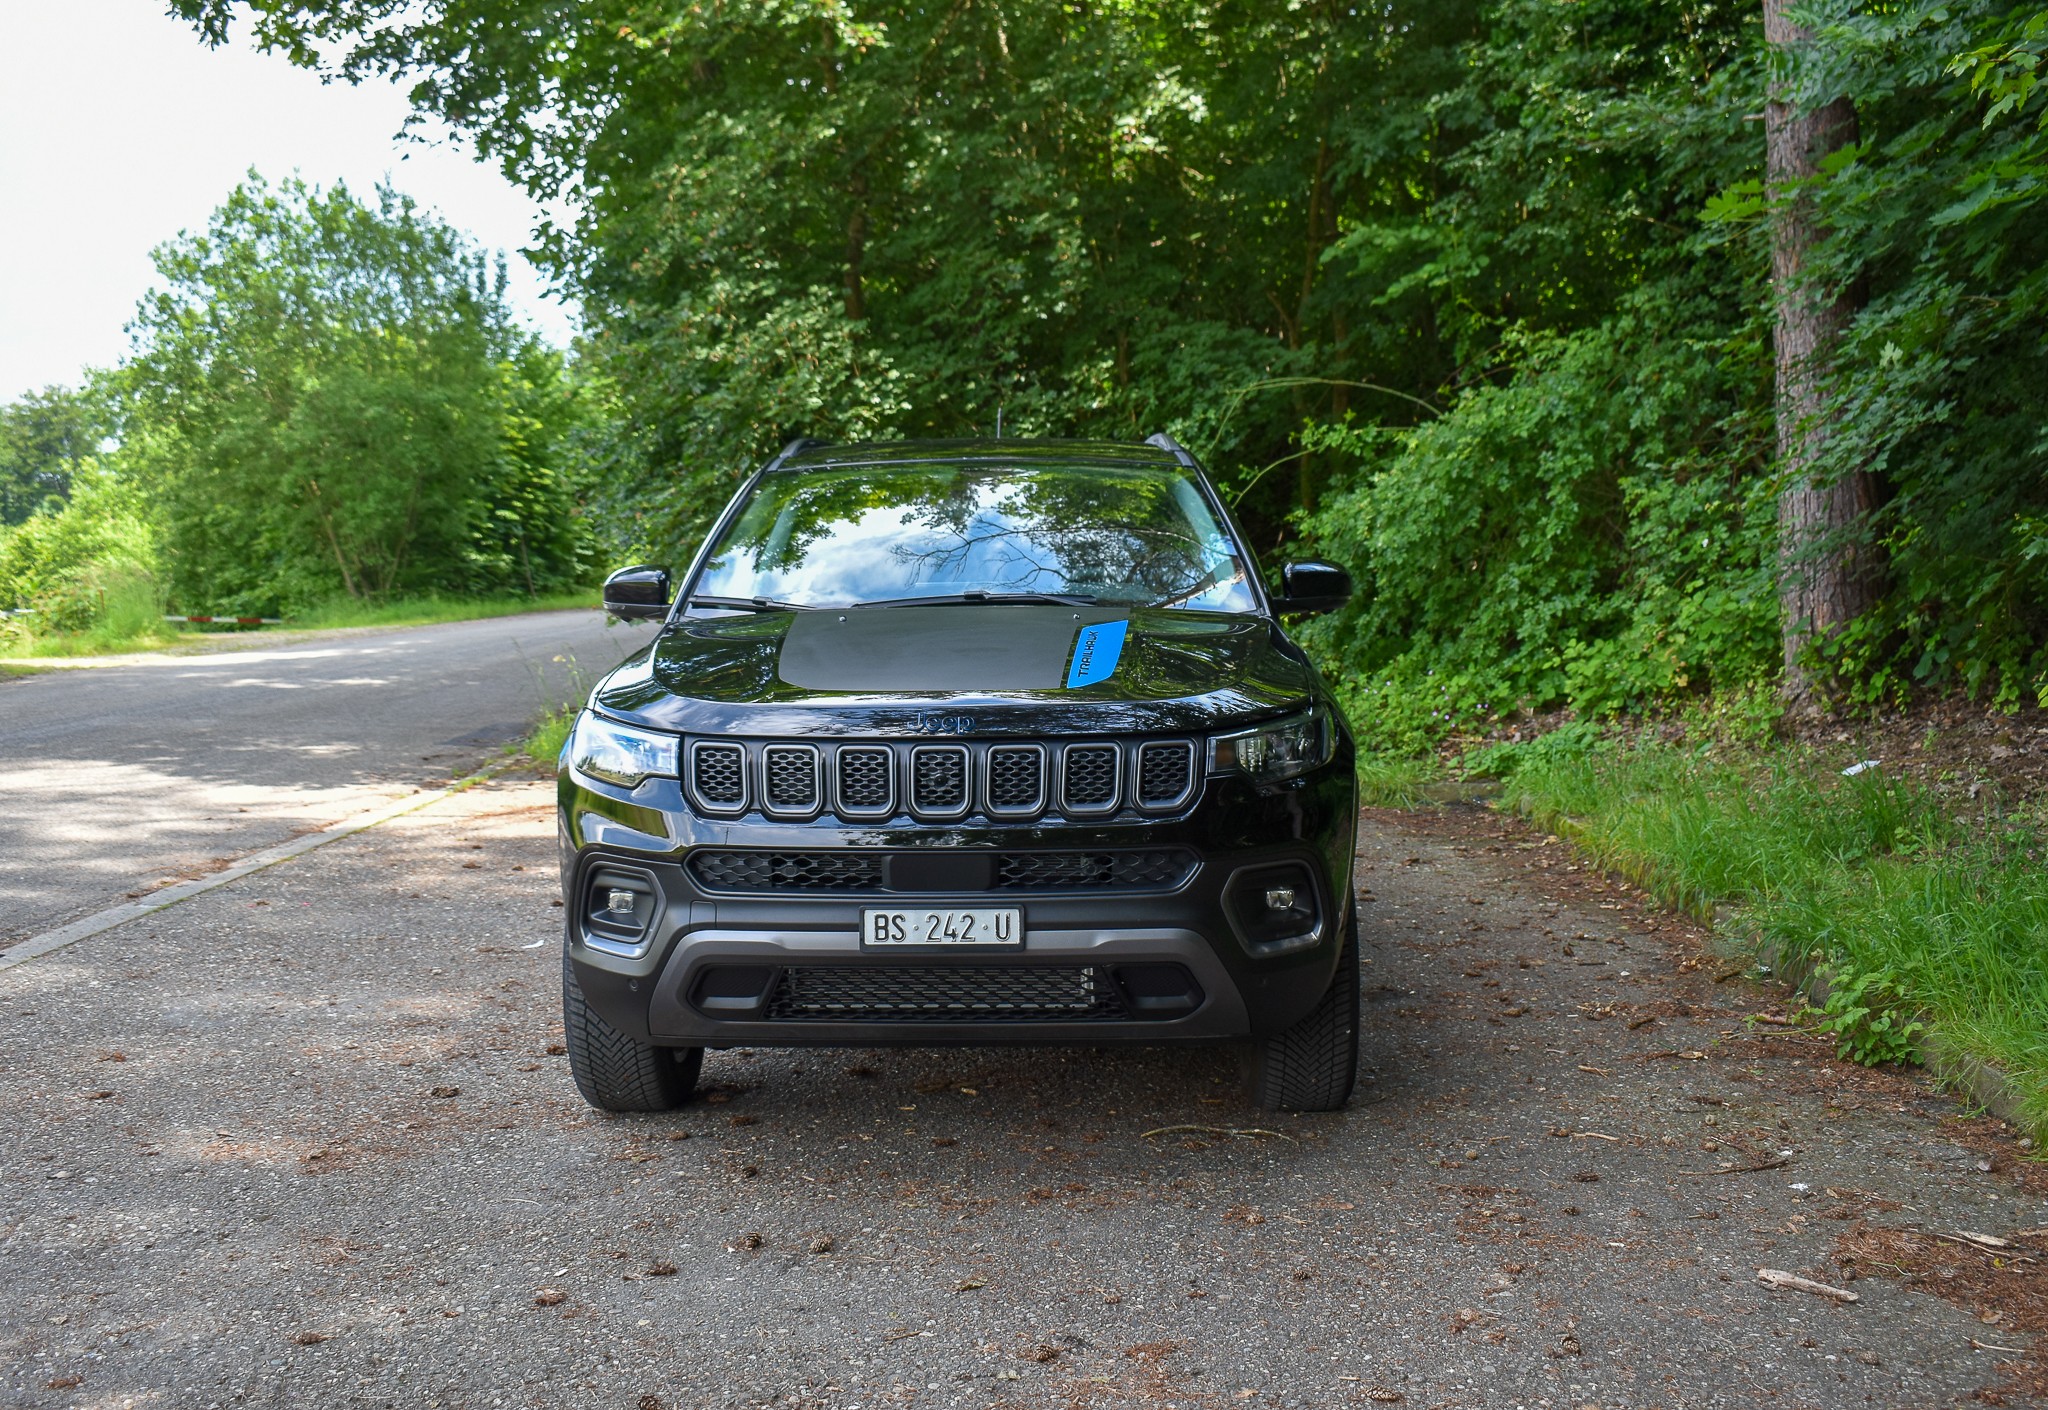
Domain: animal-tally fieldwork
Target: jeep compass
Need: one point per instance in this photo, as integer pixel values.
(963, 742)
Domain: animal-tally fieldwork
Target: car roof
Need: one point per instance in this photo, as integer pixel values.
(983, 451)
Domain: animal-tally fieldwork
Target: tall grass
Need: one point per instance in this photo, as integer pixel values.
(1914, 914)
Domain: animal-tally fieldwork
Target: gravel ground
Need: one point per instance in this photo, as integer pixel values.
(308, 1140)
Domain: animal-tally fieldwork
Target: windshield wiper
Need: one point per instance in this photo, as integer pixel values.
(1064, 599)
(750, 604)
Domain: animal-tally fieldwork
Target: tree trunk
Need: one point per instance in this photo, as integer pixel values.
(857, 247)
(1827, 576)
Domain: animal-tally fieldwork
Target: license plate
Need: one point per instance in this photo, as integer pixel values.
(948, 925)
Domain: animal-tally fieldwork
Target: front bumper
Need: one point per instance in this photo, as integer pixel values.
(713, 967)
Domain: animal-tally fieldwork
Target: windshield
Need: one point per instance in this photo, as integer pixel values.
(892, 533)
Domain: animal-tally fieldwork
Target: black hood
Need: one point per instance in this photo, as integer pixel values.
(1023, 669)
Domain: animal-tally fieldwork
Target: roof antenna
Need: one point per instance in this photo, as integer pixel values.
(999, 422)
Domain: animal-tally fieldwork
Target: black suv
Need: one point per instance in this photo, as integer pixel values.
(963, 742)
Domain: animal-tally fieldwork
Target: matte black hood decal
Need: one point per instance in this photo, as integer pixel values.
(1177, 670)
(970, 647)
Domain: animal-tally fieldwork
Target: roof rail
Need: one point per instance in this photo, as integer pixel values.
(795, 447)
(1172, 447)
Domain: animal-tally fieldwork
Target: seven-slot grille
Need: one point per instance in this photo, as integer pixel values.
(941, 782)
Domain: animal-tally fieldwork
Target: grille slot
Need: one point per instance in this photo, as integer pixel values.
(1090, 778)
(946, 994)
(1166, 771)
(938, 780)
(865, 780)
(1016, 779)
(787, 871)
(1059, 871)
(718, 773)
(789, 778)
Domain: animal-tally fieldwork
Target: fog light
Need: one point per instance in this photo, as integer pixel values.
(619, 907)
(1274, 907)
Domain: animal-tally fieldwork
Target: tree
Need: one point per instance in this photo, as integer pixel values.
(1478, 295)
(330, 396)
(44, 437)
(1829, 568)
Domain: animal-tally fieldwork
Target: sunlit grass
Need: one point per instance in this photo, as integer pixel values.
(131, 631)
(544, 745)
(423, 611)
(1395, 780)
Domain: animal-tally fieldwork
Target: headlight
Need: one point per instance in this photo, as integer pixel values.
(620, 754)
(1285, 749)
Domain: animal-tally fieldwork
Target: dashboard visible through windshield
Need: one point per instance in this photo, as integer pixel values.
(1125, 536)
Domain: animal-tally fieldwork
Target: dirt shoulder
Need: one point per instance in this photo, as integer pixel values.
(309, 1139)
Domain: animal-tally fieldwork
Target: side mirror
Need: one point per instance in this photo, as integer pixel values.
(1312, 587)
(639, 593)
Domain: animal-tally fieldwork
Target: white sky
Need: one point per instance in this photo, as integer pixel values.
(119, 129)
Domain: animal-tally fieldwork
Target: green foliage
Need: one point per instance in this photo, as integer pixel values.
(1862, 1011)
(329, 397)
(87, 563)
(44, 438)
(1473, 295)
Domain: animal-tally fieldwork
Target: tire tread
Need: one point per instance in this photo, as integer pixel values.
(1313, 1065)
(613, 1070)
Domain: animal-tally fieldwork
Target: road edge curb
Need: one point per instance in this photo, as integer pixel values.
(113, 917)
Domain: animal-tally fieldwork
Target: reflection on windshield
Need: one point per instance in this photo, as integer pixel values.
(1138, 537)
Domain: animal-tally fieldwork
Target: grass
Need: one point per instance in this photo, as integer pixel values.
(1916, 916)
(149, 633)
(544, 745)
(1394, 780)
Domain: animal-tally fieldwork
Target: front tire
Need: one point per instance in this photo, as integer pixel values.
(1313, 1065)
(615, 1071)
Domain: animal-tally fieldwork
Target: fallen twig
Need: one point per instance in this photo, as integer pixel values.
(1976, 1345)
(1740, 1169)
(1238, 1132)
(1990, 1243)
(1594, 1136)
(1778, 1278)
(1642, 1022)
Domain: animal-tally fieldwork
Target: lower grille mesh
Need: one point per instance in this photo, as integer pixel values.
(848, 870)
(946, 994)
(1057, 870)
(787, 871)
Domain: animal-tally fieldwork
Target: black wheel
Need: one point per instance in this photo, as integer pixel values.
(613, 1070)
(1312, 1066)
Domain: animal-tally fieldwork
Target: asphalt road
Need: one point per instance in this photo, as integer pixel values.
(308, 1139)
(123, 776)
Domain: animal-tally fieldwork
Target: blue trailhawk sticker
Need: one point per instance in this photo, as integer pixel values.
(1095, 653)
